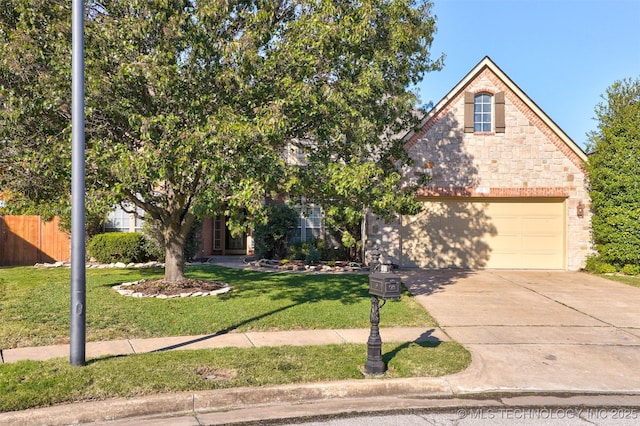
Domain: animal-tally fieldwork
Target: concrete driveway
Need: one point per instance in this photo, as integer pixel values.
(536, 330)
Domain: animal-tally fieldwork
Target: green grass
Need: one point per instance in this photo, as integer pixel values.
(34, 305)
(34, 310)
(626, 279)
(28, 384)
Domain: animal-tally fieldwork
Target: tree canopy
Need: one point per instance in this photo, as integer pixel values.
(190, 104)
(614, 174)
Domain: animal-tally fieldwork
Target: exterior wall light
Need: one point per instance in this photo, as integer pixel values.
(580, 209)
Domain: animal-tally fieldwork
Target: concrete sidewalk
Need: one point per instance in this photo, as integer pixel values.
(233, 339)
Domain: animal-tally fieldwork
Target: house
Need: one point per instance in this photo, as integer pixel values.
(506, 186)
(214, 236)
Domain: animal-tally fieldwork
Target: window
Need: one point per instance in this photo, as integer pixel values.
(218, 223)
(121, 221)
(309, 223)
(482, 113)
(118, 220)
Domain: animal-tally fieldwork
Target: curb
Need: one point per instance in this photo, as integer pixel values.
(190, 403)
(315, 400)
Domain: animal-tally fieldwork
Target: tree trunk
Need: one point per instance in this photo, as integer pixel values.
(174, 257)
(175, 237)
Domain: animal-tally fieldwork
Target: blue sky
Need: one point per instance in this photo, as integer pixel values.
(562, 53)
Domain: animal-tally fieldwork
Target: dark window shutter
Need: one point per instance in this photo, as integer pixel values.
(499, 104)
(468, 112)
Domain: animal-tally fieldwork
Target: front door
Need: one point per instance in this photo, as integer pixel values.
(236, 245)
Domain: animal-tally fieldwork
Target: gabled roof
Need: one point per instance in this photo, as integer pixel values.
(487, 64)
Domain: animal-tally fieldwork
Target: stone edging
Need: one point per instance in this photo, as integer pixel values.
(124, 291)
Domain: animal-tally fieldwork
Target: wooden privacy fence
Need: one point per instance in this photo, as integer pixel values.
(26, 240)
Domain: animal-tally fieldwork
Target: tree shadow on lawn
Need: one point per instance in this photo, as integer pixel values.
(258, 295)
(225, 331)
(425, 340)
(297, 287)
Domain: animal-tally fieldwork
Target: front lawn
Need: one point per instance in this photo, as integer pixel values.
(627, 279)
(34, 305)
(34, 310)
(28, 384)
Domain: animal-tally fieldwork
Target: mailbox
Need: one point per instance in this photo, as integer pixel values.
(384, 285)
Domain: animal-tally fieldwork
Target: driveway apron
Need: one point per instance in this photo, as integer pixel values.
(536, 330)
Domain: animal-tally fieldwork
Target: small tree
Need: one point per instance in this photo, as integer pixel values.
(614, 174)
(271, 237)
(348, 191)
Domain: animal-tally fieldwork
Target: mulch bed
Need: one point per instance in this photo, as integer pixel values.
(189, 285)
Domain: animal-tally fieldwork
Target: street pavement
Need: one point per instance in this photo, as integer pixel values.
(551, 339)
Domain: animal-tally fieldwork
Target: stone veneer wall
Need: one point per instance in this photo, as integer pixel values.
(528, 160)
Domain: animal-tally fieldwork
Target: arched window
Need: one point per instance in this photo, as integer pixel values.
(482, 112)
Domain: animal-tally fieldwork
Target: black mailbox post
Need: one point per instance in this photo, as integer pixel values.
(383, 285)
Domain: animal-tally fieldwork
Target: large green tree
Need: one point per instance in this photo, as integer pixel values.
(190, 104)
(348, 192)
(614, 174)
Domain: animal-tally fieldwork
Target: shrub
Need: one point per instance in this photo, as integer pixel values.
(591, 264)
(631, 269)
(336, 253)
(112, 247)
(298, 250)
(153, 242)
(313, 257)
(606, 268)
(597, 265)
(271, 238)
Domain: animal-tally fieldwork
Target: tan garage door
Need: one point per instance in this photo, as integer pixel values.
(505, 233)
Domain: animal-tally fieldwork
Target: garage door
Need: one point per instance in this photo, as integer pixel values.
(506, 233)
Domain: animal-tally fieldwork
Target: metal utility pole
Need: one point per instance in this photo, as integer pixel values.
(78, 273)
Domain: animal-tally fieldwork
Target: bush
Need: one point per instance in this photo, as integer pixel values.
(153, 242)
(631, 269)
(606, 268)
(300, 250)
(112, 247)
(596, 265)
(613, 170)
(313, 257)
(271, 238)
(591, 264)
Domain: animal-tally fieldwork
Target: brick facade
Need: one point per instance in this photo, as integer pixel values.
(532, 158)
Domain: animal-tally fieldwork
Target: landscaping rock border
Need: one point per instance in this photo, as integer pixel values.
(124, 291)
(102, 265)
(299, 266)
